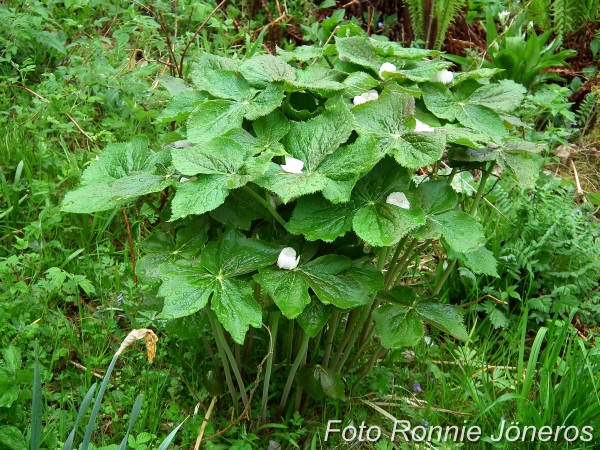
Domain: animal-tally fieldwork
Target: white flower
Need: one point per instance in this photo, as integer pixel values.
(423, 127)
(96, 158)
(292, 165)
(428, 341)
(274, 200)
(443, 76)
(502, 16)
(287, 259)
(530, 25)
(184, 180)
(386, 67)
(398, 199)
(492, 145)
(366, 97)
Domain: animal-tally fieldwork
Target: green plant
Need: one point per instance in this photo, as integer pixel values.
(430, 20)
(564, 16)
(519, 52)
(292, 191)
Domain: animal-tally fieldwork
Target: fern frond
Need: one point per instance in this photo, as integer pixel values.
(446, 11)
(540, 12)
(564, 15)
(416, 11)
(586, 111)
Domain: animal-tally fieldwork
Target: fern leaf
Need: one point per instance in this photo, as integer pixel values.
(417, 17)
(564, 15)
(446, 12)
(540, 12)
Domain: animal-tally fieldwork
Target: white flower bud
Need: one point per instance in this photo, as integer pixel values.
(184, 180)
(287, 259)
(443, 76)
(386, 67)
(398, 199)
(422, 127)
(292, 165)
(502, 16)
(359, 100)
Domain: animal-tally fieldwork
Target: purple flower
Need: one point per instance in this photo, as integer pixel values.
(417, 388)
(424, 423)
(380, 24)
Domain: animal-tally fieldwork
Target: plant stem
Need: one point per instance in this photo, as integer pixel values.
(273, 326)
(378, 354)
(401, 264)
(478, 195)
(266, 204)
(395, 257)
(330, 336)
(351, 327)
(288, 385)
(298, 402)
(363, 313)
(290, 342)
(226, 370)
(210, 352)
(218, 329)
(317, 345)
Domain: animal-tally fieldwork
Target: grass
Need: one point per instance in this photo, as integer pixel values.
(67, 281)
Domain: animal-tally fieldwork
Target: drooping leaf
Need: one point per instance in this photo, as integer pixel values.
(320, 382)
(313, 318)
(122, 173)
(447, 318)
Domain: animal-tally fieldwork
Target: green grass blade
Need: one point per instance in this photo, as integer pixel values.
(82, 409)
(533, 358)
(90, 426)
(135, 412)
(36, 406)
(165, 444)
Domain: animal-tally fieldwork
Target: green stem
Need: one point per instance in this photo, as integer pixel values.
(273, 326)
(288, 385)
(210, 352)
(363, 313)
(238, 376)
(365, 338)
(266, 204)
(351, 329)
(290, 342)
(330, 336)
(401, 264)
(228, 378)
(317, 345)
(378, 354)
(395, 257)
(452, 175)
(478, 195)
(482, 182)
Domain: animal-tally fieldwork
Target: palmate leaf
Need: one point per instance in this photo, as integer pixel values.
(328, 167)
(188, 286)
(460, 230)
(480, 111)
(219, 165)
(327, 278)
(389, 120)
(517, 157)
(400, 321)
(213, 118)
(161, 250)
(122, 173)
(367, 212)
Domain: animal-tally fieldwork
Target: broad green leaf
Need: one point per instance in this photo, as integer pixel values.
(504, 96)
(312, 142)
(447, 318)
(358, 83)
(271, 129)
(173, 85)
(208, 63)
(131, 166)
(313, 318)
(480, 261)
(481, 75)
(265, 102)
(439, 100)
(398, 326)
(436, 196)
(462, 232)
(318, 79)
(303, 53)
(187, 287)
(181, 105)
(12, 358)
(221, 164)
(9, 389)
(374, 220)
(239, 210)
(367, 276)
(482, 119)
(213, 118)
(320, 382)
(390, 121)
(419, 71)
(228, 85)
(317, 218)
(188, 327)
(358, 50)
(235, 307)
(11, 438)
(261, 70)
(287, 288)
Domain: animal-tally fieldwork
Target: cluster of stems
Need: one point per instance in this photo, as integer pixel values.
(346, 334)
